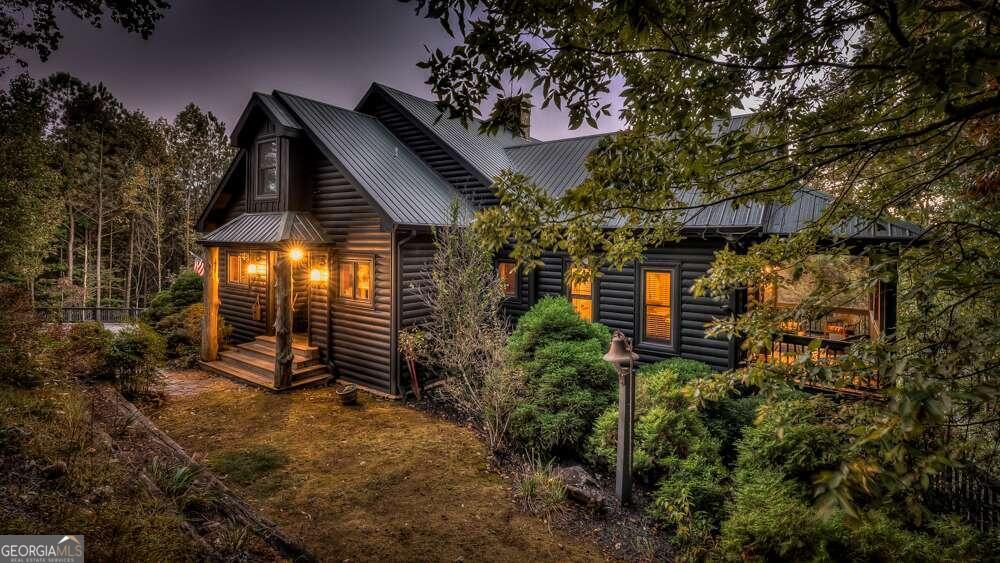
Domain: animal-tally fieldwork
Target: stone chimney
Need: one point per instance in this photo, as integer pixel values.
(526, 115)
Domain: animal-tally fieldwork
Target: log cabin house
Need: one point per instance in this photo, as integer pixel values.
(323, 223)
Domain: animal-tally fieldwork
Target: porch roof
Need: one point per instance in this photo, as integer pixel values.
(268, 228)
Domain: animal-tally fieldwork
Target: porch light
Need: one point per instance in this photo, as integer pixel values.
(295, 253)
(317, 275)
(252, 269)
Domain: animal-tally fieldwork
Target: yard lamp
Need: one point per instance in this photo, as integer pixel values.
(621, 356)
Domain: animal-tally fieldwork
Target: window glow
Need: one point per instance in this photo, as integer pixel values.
(656, 304)
(508, 275)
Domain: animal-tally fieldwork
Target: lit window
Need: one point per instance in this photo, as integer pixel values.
(581, 295)
(656, 306)
(236, 267)
(355, 280)
(508, 275)
(267, 168)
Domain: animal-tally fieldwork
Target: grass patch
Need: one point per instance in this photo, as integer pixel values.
(97, 496)
(254, 467)
(539, 491)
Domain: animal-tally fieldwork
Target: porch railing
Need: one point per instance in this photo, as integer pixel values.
(84, 314)
(791, 347)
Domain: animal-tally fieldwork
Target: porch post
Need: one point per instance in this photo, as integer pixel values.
(282, 321)
(210, 295)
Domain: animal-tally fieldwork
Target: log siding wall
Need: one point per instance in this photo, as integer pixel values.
(362, 335)
(618, 295)
(237, 301)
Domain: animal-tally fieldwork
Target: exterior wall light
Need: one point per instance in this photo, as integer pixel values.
(317, 275)
(295, 253)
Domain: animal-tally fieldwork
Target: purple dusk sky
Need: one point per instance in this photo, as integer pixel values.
(216, 52)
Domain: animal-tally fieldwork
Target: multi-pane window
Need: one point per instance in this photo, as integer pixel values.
(508, 276)
(581, 294)
(267, 168)
(236, 267)
(355, 279)
(657, 309)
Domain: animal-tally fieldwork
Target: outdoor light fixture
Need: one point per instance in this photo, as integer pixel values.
(621, 356)
(317, 275)
(295, 253)
(252, 269)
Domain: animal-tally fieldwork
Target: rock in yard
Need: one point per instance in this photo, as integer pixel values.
(581, 487)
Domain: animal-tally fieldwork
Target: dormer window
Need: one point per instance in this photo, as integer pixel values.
(267, 169)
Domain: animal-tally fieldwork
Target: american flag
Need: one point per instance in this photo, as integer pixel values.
(199, 265)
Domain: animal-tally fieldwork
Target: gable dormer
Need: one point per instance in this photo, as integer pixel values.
(276, 175)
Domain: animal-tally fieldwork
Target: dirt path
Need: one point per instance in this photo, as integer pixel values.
(378, 481)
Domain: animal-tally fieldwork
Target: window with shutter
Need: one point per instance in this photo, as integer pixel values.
(657, 307)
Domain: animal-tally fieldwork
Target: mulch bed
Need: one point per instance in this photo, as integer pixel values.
(626, 533)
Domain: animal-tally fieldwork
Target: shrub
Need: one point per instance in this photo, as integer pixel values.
(20, 338)
(466, 332)
(552, 320)
(690, 499)
(727, 421)
(186, 290)
(182, 334)
(793, 436)
(133, 359)
(666, 428)
(769, 521)
(567, 382)
(84, 349)
(684, 368)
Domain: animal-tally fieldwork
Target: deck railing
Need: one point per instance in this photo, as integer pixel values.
(84, 314)
(791, 347)
(968, 493)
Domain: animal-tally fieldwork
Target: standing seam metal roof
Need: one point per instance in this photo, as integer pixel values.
(268, 228)
(485, 153)
(399, 183)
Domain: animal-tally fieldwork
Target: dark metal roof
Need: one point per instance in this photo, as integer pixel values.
(807, 207)
(268, 228)
(557, 166)
(485, 153)
(402, 186)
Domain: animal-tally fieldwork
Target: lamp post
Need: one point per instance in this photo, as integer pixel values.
(621, 356)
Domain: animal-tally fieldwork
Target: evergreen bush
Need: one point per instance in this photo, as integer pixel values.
(184, 291)
(567, 382)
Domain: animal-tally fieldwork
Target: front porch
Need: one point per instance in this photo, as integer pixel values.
(266, 275)
(253, 363)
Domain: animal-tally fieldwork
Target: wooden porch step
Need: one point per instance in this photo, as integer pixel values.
(299, 345)
(265, 366)
(266, 351)
(240, 375)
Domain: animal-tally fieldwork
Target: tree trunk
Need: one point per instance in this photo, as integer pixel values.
(86, 265)
(100, 215)
(131, 256)
(158, 233)
(70, 244)
(282, 321)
